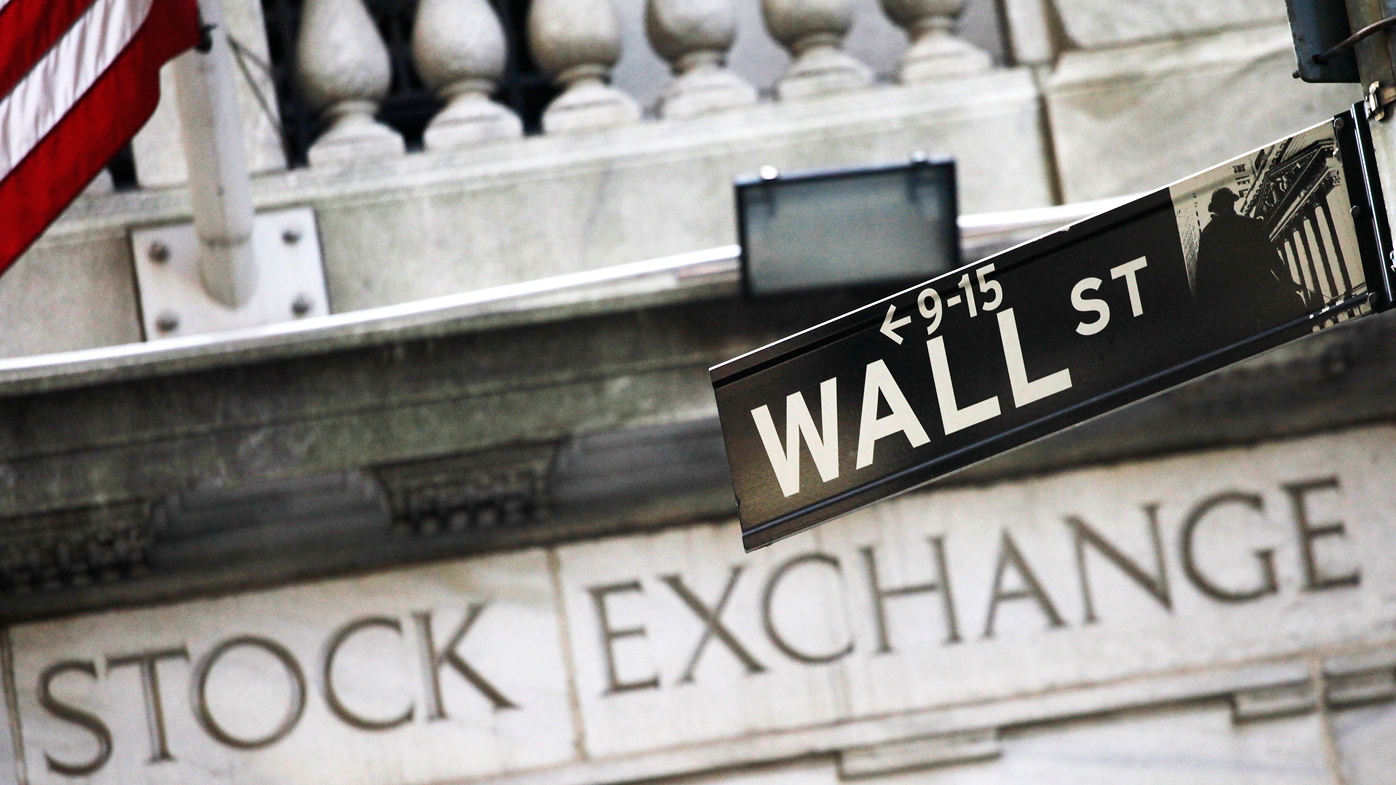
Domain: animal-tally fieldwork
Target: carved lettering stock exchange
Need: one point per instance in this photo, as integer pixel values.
(1238, 259)
(675, 638)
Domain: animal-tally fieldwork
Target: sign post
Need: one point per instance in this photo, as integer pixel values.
(1261, 250)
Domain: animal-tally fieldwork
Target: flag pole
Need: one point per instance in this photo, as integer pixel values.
(220, 189)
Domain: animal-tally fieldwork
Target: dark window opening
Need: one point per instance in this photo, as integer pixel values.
(122, 167)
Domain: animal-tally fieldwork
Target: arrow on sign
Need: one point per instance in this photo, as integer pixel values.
(890, 324)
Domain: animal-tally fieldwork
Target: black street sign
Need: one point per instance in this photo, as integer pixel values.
(1258, 251)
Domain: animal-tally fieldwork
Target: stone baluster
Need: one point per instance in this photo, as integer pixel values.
(344, 72)
(459, 49)
(577, 42)
(935, 51)
(694, 36)
(813, 32)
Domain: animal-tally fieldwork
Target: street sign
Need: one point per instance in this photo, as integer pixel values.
(1258, 251)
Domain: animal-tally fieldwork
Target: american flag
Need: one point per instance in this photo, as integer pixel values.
(78, 78)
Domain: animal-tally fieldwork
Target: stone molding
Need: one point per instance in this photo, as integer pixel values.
(74, 548)
(920, 753)
(608, 373)
(505, 488)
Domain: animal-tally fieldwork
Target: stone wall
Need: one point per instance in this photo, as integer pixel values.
(1218, 617)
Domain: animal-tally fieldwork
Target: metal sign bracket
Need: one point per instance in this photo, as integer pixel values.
(1355, 136)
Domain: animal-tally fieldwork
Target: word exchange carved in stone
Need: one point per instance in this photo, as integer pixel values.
(973, 594)
(1011, 566)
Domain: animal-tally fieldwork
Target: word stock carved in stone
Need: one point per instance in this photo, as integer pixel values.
(438, 657)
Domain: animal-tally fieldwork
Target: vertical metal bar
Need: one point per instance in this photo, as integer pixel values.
(1376, 141)
(219, 185)
(1376, 202)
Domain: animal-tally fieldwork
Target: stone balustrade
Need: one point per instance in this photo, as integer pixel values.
(343, 70)
(459, 49)
(660, 104)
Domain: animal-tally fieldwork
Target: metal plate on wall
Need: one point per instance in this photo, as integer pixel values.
(290, 280)
(1317, 25)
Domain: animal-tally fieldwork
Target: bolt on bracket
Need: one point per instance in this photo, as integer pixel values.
(1379, 99)
(174, 301)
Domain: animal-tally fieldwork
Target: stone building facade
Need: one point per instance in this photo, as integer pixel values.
(469, 519)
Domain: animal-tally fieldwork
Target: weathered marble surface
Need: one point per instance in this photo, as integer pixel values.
(70, 292)
(815, 650)
(1097, 24)
(1184, 603)
(1364, 738)
(380, 676)
(1136, 118)
(550, 205)
(1188, 745)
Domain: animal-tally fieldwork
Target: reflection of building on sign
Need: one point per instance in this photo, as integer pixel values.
(1237, 264)
(1243, 178)
(1261, 233)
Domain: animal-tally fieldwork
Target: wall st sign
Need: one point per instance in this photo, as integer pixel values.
(641, 643)
(1256, 252)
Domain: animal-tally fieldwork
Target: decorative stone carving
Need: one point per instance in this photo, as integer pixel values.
(694, 36)
(813, 32)
(344, 73)
(468, 492)
(935, 51)
(76, 547)
(577, 42)
(459, 49)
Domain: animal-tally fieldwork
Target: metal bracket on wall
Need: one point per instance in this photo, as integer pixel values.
(175, 302)
(1317, 27)
(1379, 99)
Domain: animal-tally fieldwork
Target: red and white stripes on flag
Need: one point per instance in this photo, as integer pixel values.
(78, 78)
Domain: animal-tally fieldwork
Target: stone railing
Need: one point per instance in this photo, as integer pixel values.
(459, 49)
(626, 169)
